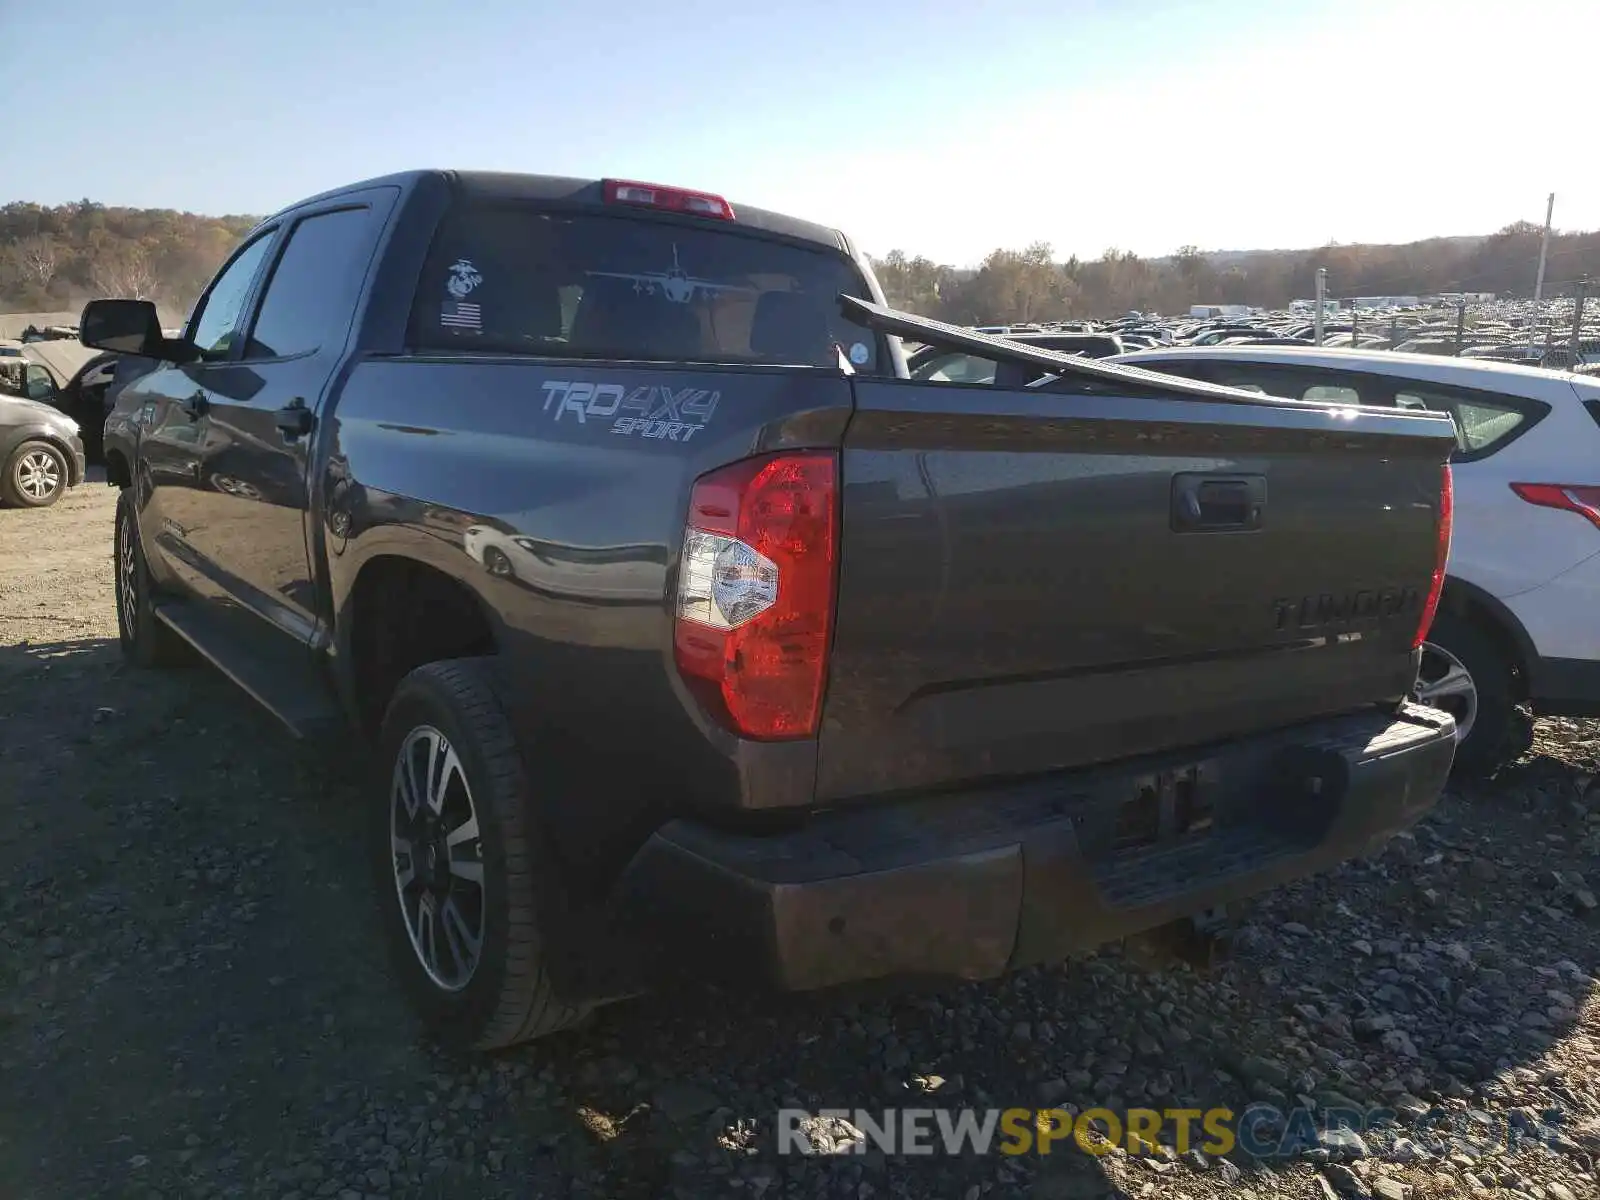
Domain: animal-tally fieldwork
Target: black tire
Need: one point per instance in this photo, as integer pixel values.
(33, 466)
(509, 996)
(145, 640)
(1500, 729)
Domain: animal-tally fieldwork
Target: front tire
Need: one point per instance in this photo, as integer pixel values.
(1465, 672)
(146, 640)
(462, 870)
(36, 476)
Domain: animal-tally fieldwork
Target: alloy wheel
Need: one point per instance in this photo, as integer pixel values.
(438, 858)
(1444, 682)
(38, 475)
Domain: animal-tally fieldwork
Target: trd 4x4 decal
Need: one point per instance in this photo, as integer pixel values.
(647, 410)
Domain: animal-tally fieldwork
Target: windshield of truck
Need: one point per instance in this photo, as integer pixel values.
(516, 279)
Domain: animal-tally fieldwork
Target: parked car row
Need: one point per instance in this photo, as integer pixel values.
(1503, 330)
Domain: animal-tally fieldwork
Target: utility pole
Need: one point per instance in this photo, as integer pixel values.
(1355, 327)
(1322, 290)
(1461, 324)
(1538, 279)
(1577, 322)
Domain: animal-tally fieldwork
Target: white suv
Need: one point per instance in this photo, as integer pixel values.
(1519, 623)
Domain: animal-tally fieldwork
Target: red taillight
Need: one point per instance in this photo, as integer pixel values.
(756, 593)
(653, 195)
(1440, 559)
(1583, 499)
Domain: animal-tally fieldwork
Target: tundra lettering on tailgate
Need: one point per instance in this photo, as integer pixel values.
(649, 410)
(1370, 606)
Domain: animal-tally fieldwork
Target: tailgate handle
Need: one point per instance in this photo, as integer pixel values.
(1216, 503)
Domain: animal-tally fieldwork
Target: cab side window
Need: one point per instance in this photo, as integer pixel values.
(215, 326)
(311, 296)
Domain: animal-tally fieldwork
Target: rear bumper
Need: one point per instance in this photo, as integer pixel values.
(974, 885)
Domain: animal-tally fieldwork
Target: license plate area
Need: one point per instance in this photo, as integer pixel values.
(1163, 807)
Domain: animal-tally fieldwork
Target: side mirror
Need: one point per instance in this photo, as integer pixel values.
(125, 326)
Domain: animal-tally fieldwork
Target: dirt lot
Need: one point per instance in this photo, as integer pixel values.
(192, 1000)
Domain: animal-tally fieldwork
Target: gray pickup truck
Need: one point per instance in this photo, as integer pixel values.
(693, 636)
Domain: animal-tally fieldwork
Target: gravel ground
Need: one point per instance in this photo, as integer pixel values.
(193, 1001)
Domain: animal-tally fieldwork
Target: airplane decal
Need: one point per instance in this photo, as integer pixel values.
(676, 285)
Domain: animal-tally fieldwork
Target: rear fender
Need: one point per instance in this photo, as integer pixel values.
(1473, 603)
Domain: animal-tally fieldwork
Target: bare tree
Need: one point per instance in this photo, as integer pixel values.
(38, 258)
(124, 271)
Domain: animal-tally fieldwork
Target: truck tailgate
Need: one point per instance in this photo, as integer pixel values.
(1032, 581)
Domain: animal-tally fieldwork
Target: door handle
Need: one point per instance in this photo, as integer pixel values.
(295, 420)
(1204, 503)
(196, 405)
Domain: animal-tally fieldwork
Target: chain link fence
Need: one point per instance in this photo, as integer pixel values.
(1561, 332)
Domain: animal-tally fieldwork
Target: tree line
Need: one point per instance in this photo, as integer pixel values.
(54, 258)
(1032, 285)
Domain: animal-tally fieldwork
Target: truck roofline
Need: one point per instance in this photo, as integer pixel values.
(566, 190)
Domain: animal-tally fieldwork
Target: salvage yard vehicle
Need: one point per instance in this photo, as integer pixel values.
(77, 379)
(804, 672)
(1519, 622)
(41, 453)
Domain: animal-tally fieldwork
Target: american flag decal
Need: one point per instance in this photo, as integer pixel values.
(458, 314)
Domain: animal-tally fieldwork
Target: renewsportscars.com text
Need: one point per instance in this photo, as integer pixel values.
(1008, 1131)
(1261, 1130)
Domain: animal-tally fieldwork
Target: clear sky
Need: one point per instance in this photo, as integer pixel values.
(938, 127)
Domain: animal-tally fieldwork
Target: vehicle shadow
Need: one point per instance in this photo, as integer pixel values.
(31, 671)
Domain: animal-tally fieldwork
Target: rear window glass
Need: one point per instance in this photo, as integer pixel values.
(518, 280)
